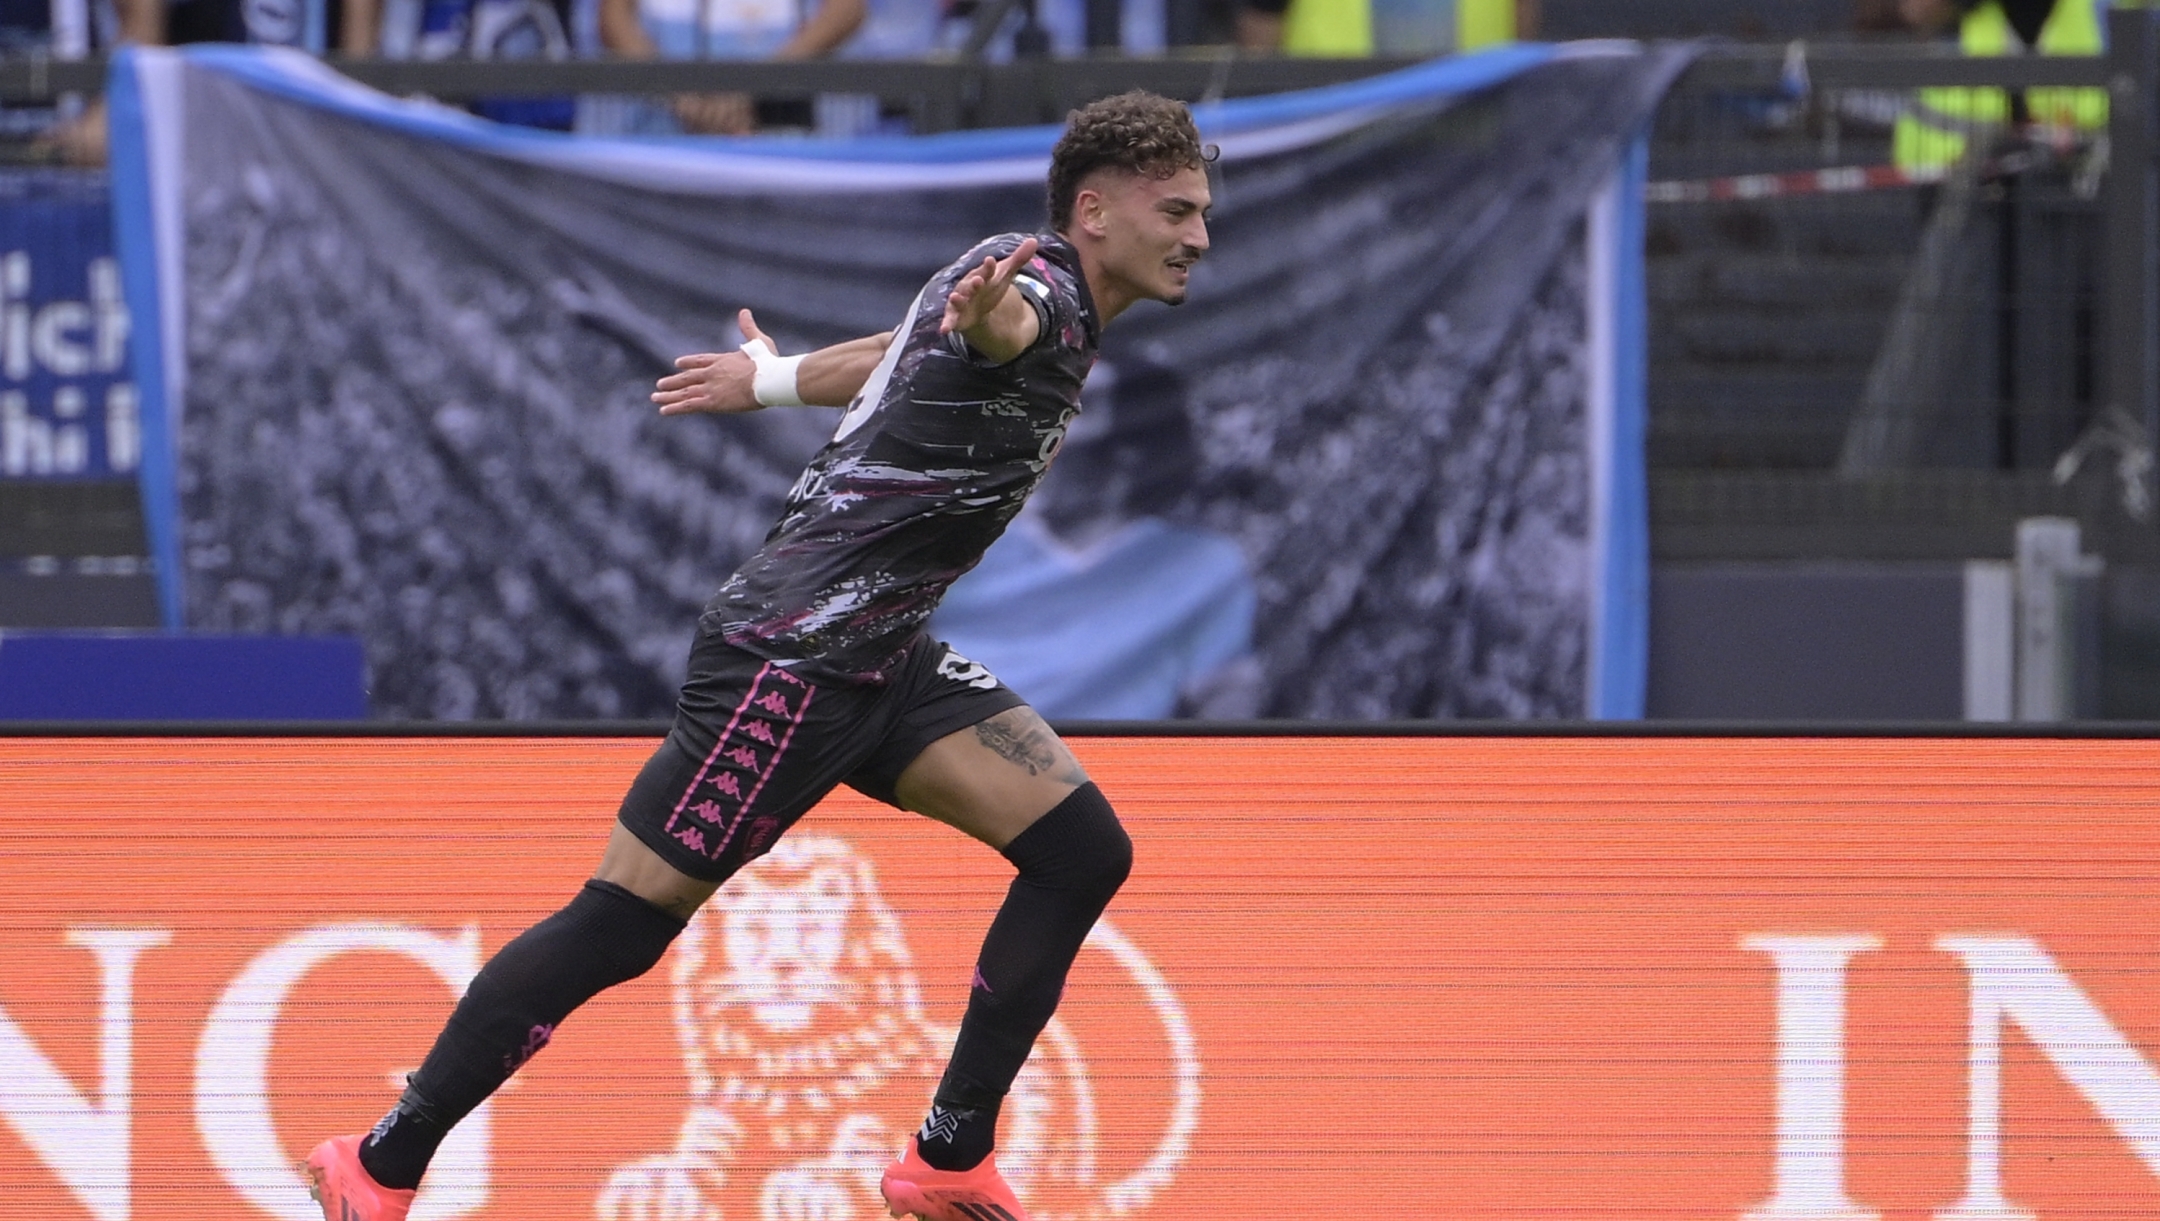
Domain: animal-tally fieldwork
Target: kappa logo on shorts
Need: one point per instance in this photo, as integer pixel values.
(764, 716)
(961, 670)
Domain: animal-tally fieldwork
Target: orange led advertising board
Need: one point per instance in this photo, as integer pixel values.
(1478, 978)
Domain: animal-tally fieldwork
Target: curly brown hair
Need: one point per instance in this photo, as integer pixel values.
(1141, 132)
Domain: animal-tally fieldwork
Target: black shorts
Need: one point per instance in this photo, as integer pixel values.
(754, 747)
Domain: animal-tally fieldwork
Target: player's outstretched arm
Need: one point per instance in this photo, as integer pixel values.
(725, 383)
(993, 319)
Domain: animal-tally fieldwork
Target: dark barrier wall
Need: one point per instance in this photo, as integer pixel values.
(1477, 978)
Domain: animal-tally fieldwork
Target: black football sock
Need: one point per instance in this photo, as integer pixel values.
(1071, 861)
(957, 1136)
(605, 936)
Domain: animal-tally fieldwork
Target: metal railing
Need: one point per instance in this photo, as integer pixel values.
(935, 95)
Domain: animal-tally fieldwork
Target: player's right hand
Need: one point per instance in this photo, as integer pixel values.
(715, 382)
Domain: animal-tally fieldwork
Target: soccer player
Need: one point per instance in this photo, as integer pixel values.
(811, 667)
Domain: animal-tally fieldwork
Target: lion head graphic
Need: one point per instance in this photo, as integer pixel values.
(809, 1063)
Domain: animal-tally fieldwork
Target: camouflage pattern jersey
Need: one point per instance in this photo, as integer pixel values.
(931, 461)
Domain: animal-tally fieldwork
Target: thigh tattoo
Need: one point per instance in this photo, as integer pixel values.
(1022, 739)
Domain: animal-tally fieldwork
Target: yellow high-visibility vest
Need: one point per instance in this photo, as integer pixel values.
(1931, 137)
(1483, 23)
(1344, 27)
(1328, 27)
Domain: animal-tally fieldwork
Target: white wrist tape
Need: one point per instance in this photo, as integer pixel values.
(774, 385)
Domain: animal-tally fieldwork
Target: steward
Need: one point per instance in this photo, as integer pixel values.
(1931, 135)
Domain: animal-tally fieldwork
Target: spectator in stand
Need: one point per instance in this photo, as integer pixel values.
(347, 27)
(1880, 17)
(1932, 135)
(721, 29)
(487, 29)
(1385, 27)
(1939, 17)
(895, 29)
(1060, 28)
(72, 129)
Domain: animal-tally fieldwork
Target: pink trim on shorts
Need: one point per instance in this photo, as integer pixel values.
(778, 752)
(718, 746)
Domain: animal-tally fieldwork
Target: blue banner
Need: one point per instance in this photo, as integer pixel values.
(1386, 463)
(68, 407)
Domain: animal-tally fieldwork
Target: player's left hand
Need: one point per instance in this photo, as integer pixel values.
(976, 296)
(715, 382)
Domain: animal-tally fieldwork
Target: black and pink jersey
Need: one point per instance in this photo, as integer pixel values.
(931, 461)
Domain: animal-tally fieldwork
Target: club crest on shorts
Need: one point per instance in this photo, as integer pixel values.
(961, 670)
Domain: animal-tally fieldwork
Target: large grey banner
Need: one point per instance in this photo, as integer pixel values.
(1369, 471)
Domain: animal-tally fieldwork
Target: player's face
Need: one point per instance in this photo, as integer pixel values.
(1155, 230)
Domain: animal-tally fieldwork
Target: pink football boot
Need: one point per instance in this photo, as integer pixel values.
(341, 1185)
(915, 1188)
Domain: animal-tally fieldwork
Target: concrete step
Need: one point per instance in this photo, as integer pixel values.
(1775, 417)
(1715, 281)
(1758, 396)
(1915, 514)
(1878, 225)
(1818, 339)
(1692, 444)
